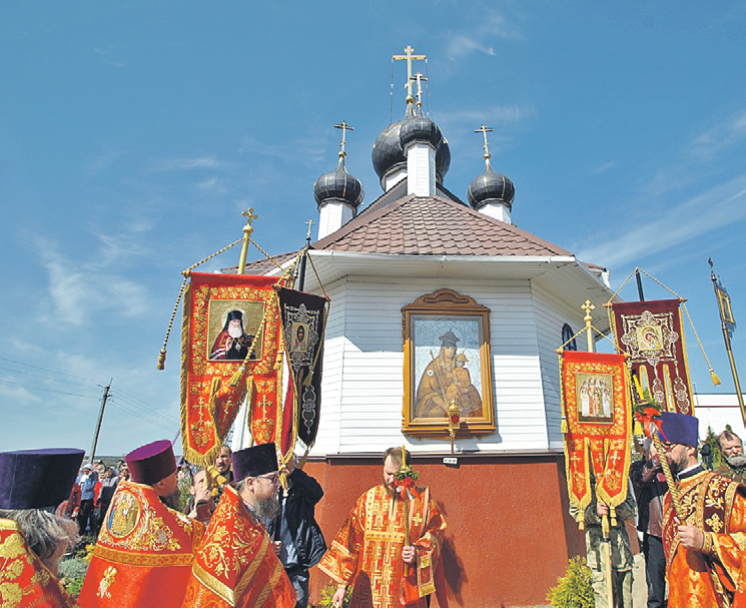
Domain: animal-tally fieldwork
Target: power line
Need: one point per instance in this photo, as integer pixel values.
(139, 416)
(53, 371)
(48, 390)
(150, 411)
(32, 375)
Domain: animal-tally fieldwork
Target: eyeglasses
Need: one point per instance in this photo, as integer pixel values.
(270, 478)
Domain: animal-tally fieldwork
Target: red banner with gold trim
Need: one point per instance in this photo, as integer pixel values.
(597, 413)
(230, 348)
(652, 335)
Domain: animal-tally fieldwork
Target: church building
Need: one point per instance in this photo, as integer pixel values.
(442, 307)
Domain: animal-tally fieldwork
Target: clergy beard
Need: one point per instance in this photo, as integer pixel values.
(268, 508)
(679, 465)
(235, 332)
(172, 500)
(736, 461)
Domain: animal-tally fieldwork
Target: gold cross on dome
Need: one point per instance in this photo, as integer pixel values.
(409, 57)
(419, 78)
(484, 129)
(345, 127)
(308, 234)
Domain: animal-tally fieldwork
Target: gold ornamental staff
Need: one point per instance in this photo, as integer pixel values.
(729, 326)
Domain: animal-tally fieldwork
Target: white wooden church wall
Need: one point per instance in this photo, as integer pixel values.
(551, 315)
(363, 383)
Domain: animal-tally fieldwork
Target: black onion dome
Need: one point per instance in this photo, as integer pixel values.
(387, 150)
(338, 185)
(442, 160)
(420, 128)
(490, 187)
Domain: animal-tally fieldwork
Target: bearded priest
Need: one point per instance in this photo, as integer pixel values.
(145, 549)
(237, 563)
(391, 559)
(704, 550)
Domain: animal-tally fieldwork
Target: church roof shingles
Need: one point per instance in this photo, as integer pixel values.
(433, 225)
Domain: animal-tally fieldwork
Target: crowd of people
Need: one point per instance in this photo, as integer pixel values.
(246, 538)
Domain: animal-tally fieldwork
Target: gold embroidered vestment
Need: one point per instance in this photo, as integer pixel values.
(367, 550)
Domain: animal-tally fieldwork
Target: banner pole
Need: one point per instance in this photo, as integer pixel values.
(726, 337)
(605, 529)
(247, 231)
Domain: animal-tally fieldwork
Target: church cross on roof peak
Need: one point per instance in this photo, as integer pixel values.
(345, 127)
(484, 129)
(418, 78)
(409, 57)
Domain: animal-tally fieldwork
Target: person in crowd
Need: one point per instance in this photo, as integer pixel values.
(223, 464)
(248, 573)
(201, 506)
(87, 481)
(108, 486)
(145, 549)
(622, 561)
(703, 545)
(371, 551)
(734, 465)
(295, 531)
(650, 488)
(124, 473)
(32, 540)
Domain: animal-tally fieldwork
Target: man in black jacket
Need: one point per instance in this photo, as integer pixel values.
(650, 487)
(299, 542)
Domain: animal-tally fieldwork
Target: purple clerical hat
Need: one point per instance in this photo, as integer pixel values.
(37, 479)
(254, 461)
(152, 462)
(679, 428)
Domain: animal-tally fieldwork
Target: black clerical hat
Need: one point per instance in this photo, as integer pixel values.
(254, 461)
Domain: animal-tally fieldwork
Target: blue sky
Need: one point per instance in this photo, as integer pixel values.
(133, 135)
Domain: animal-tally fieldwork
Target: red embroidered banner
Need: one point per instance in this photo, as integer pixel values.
(652, 335)
(230, 346)
(597, 411)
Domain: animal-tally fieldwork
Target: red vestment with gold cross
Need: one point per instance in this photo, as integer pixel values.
(717, 506)
(367, 551)
(143, 555)
(236, 565)
(24, 580)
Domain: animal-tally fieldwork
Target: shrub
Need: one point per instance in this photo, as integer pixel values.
(72, 574)
(327, 593)
(573, 590)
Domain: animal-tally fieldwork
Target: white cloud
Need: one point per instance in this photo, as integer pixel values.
(714, 141)
(720, 206)
(605, 167)
(78, 291)
(188, 164)
(462, 43)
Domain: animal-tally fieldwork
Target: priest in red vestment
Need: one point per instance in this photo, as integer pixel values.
(236, 565)
(705, 550)
(32, 540)
(371, 553)
(144, 553)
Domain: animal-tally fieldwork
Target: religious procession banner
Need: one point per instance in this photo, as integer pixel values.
(597, 415)
(303, 326)
(230, 349)
(652, 335)
(726, 312)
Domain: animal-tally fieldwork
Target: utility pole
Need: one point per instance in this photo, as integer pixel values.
(104, 398)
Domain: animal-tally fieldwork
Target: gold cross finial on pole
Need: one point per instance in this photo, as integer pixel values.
(588, 318)
(308, 234)
(484, 129)
(345, 127)
(409, 57)
(247, 231)
(418, 78)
